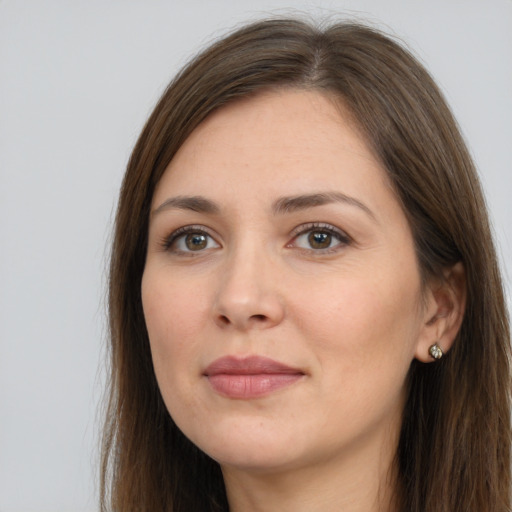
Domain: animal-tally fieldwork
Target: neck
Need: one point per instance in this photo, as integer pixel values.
(358, 483)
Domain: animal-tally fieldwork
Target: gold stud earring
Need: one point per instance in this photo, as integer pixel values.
(436, 351)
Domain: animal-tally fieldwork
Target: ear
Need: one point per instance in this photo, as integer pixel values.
(443, 312)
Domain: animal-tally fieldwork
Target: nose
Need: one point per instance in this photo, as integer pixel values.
(247, 296)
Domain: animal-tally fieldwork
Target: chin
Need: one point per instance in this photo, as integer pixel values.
(254, 449)
(256, 460)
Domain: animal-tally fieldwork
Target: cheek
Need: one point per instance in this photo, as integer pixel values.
(363, 322)
(364, 338)
(174, 316)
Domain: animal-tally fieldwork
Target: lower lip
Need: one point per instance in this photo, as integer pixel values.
(251, 386)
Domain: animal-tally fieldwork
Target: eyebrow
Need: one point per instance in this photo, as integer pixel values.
(281, 206)
(302, 202)
(193, 203)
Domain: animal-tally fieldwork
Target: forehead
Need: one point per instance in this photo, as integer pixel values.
(296, 139)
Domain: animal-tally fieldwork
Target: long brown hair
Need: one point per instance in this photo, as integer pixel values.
(454, 449)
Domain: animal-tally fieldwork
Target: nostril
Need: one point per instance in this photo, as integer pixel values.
(224, 319)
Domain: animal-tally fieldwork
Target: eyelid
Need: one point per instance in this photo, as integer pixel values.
(168, 240)
(341, 235)
(343, 238)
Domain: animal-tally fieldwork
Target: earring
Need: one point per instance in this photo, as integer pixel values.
(436, 351)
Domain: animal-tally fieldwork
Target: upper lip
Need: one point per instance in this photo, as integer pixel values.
(251, 365)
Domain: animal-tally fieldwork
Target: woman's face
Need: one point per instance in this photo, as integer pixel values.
(281, 290)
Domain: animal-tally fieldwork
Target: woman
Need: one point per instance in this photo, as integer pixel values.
(305, 307)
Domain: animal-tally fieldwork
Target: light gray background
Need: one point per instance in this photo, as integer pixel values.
(77, 80)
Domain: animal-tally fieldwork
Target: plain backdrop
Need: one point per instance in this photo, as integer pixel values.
(77, 80)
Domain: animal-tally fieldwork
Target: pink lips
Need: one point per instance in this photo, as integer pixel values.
(249, 377)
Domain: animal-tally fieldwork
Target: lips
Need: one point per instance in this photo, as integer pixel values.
(250, 377)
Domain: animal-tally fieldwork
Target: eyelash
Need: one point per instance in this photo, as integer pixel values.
(321, 227)
(343, 239)
(169, 241)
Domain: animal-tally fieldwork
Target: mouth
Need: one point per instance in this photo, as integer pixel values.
(250, 377)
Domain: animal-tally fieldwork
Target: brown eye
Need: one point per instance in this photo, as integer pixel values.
(196, 241)
(319, 239)
(189, 239)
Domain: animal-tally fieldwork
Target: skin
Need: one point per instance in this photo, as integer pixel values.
(351, 316)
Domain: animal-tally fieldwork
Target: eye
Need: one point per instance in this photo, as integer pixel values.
(319, 237)
(189, 239)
